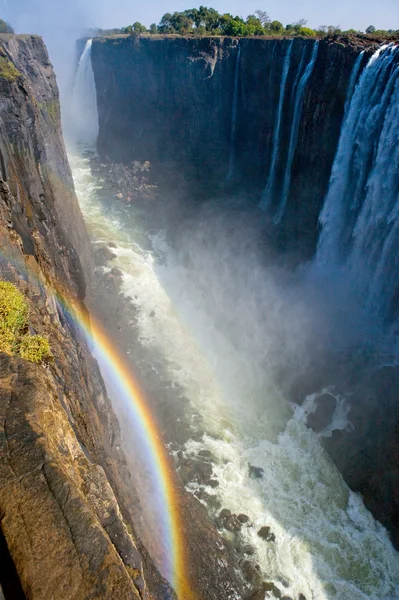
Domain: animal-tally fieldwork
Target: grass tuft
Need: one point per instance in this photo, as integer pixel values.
(14, 339)
(8, 70)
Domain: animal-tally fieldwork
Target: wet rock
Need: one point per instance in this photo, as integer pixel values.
(224, 513)
(248, 549)
(255, 472)
(232, 524)
(214, 483)
(286, 598)
(226, 520)
(270, 587)
(205, 471)
(321, 417)
(260, 594)
(102, 256)
(301, 597)
(251, 573)
(205, 454)
(243, 518)
(266, 534)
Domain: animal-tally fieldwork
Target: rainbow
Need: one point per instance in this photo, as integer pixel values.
(116, 371)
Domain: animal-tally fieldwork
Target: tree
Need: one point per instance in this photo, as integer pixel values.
(165, 25)
(181, 23)
(5, 27)
(254, 24)
(307, 32)
(233, 26)
(276, 27)
(263, 17)
(153, 28)
(370, 29)
(139, 28)
(209, 17)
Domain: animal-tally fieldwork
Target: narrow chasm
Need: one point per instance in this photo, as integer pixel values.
(241, 198)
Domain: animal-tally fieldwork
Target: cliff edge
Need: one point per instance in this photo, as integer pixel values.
(65, 531)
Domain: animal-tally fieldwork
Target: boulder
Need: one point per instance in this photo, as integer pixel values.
(266, 534)
(255, 472)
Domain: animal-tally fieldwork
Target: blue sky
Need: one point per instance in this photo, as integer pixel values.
(37, 14)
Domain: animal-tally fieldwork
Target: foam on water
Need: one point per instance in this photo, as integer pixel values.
(327, 545)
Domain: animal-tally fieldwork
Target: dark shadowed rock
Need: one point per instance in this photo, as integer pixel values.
(255, 472)
(102, 256)
(266, 534)
(247, 549)
(323, 413)
(252, 573)
(243, 518)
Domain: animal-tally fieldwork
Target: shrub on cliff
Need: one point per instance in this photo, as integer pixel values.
(14, 336)
(5, 27)
(7, 69)
(35, 348)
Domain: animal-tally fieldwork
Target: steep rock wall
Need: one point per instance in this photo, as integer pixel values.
(65, 531)
(172, 101)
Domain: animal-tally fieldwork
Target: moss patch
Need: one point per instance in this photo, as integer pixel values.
(14, 339)
(52, 109)
(35, 348)
(8, 70)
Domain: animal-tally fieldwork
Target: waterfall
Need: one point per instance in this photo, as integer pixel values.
(359, 217)
(234, 116)
(268, 192)
(352, 82)
(298, 105)
(84, 112)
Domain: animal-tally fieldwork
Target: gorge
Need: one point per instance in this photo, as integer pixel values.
(240, 198)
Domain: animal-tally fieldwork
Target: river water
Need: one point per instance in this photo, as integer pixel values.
(231, 331)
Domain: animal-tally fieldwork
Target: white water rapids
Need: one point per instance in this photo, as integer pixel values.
(221, 327)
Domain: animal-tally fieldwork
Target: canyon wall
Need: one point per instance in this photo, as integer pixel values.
(65, 529)
(207, 108)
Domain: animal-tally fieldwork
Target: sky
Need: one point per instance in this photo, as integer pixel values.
(33, 16)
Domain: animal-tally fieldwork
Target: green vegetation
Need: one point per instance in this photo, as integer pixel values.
(14, 336)
(52, 109)
(7, 69)
(204, 21)
(207, 21)
(35, 348)
(5, 27)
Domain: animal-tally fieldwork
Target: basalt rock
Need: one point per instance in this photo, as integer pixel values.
(322, 415)
(176, 98)
(266, 534)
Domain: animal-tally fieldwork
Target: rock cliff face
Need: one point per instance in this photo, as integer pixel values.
(65, 531)
(208, 106)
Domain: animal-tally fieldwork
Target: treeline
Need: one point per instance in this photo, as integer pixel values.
(208, 21)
